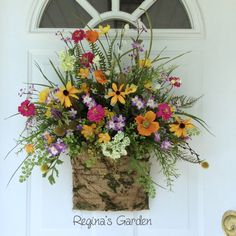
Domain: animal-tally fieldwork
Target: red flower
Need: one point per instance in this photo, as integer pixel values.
(86, 59)
(96, 113)
(164, 111)
(26, 108)
(78, 35)
(175, 81)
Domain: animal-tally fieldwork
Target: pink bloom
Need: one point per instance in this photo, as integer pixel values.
(78, 35)
(164, 111)
(96, 113)
(26, 108)
(86, 59)
(175, 81)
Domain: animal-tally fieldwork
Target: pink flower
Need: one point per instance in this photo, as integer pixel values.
(86, 59)
(164, 111)
(175, 81)
(26, 108)
(78, 35)
(96, 113)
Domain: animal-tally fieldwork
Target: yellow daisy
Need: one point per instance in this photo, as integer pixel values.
(65, 93)
(180, 127)
(116, 94)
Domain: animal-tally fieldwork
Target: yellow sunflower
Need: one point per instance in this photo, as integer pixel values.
(180, 127)
(65, 93)
(116, 94)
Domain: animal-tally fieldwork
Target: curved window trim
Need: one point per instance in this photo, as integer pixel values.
(191, 6)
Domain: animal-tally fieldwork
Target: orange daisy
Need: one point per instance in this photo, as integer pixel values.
(92, 36)
(116, 94)
(146, 125)
(100, 77)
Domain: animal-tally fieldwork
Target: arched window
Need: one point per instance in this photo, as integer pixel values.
(165, 14)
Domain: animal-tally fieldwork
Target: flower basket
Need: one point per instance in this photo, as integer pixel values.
(107, 185)
(111, 110)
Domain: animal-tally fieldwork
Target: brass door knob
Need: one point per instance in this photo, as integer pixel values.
(229, 223)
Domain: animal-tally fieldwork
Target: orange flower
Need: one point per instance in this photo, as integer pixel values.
(88, 131)
(100, 77)
(92, 36)
(146, 124)
(29, 148)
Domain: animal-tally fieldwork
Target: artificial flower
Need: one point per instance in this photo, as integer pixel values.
(131, 89)
(78, 35)
(48, 138)
(87, 59)
(88, 131)
(146, 124)
(104, 138)
(180, 127)
(83, 73)
(65, 93)
(89, 101)
(44, 168)
(29, 148)
(100, 77)
(96, 113)
(145, 63)
(175, 81)
(165, 145)
(151, 103)
(43, 95)
(204, 164)
(92, 36)
(138, 102)
(57, 148)
(83, 88)
(164, 111)
(116, 148)
(117, 123)
(116, 94)
(27, 109)
(104, 30)
(67, 61)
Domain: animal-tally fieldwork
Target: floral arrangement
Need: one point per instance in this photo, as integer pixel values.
(111, 103)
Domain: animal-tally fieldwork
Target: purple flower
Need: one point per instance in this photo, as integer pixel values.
(138, 102)
(111, 124)
(117, 123)
(137, 45)
(165, 145)
(157, 137)
(57, 148)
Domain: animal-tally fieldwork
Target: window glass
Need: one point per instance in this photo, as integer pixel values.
(164, 14)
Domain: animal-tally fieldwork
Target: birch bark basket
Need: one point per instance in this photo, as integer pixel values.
(107, 186)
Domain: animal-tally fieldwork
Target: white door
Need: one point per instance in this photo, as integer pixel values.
(200, 197)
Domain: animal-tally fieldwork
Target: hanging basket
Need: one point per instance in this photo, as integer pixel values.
(107, 186)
